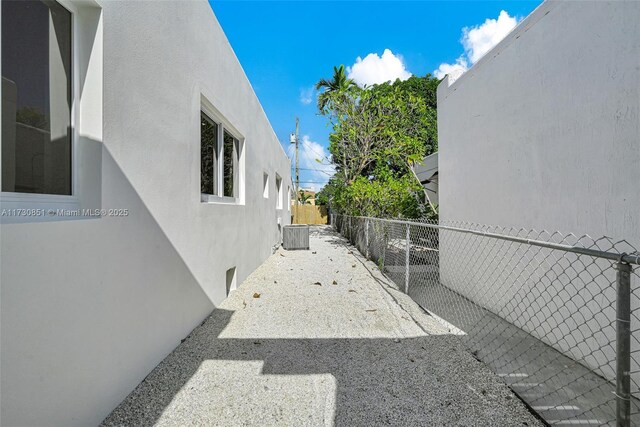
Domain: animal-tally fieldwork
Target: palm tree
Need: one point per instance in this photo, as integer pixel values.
(339, 83)
(304, 198)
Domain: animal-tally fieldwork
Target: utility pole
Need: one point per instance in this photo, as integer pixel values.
(295, 139)
(297, 162)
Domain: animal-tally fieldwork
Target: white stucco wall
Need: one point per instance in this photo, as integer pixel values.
(543, 133)
(90, 306)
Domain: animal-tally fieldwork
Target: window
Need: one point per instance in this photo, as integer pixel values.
(36, 98)
(265, 185)
(230, 152)
(208, 155)
(279, 192)
(49, 159)
(288, 198)
(221, 168)
(231, 280)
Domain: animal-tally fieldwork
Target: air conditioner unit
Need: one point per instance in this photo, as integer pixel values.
(295, 237)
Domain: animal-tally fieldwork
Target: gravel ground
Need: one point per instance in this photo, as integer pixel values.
(316, 338)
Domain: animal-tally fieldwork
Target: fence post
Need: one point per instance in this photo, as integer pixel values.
(406, 261)
(366, 237)
(623, 345)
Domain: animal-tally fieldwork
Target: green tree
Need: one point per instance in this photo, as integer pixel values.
(424, 88)
(338, 84)
(378, 132)
(304, 198)
(324, 196)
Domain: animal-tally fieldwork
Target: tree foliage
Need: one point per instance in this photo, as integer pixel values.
(324, 196)
(32, 116)
(338, 84)
(304, 198)
(378, 132)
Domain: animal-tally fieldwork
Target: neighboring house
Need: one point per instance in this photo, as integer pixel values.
(141, 182)
(543, 133)
(427, 173)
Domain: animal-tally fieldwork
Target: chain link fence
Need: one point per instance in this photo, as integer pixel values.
(556, 316)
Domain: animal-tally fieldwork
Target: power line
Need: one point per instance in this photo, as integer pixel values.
(328, 174)
(311, 160)
(317, 170)
(322, 156)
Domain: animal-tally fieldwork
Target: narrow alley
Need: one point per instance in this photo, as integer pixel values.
(320, 337)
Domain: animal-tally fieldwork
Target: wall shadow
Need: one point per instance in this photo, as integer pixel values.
(81, 330)
(426, 380)
(557, 387)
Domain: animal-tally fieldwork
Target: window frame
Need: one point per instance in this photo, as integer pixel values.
(216, 144)
(279, 194)
(207, 108)
(235, 164)
(288, 198)
(265, 184)
(18, 200)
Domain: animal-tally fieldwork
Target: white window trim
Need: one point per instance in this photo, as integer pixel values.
(52, 202)
(288, 198)
(265, 185)
(224, 125)
(279, 194)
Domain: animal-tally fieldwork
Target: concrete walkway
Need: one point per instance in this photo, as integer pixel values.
(317, 338)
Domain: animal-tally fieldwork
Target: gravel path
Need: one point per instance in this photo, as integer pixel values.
(317, 338)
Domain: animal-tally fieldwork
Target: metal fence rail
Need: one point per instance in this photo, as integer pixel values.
(556, 316)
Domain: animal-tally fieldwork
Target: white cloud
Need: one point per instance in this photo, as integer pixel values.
(315, 164)
(477, 41)
(481, 39)
(374, 69)
(312, 186)
(453, 70)
(306, 95)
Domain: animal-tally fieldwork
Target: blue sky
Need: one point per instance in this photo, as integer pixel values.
(287, 46)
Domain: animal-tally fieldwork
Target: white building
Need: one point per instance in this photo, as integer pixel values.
(141, 181)
(427, 173)
(544, 133)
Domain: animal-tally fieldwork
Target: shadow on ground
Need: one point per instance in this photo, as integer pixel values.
(560, 389)
(216, 379)
(377, 382)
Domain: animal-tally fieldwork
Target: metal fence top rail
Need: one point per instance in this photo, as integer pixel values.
(613, 256)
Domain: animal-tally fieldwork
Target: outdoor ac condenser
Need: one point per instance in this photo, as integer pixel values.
(295, 237)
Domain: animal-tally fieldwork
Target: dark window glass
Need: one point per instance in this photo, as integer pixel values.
(36, 97)
(230, 165)
(208, 155)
